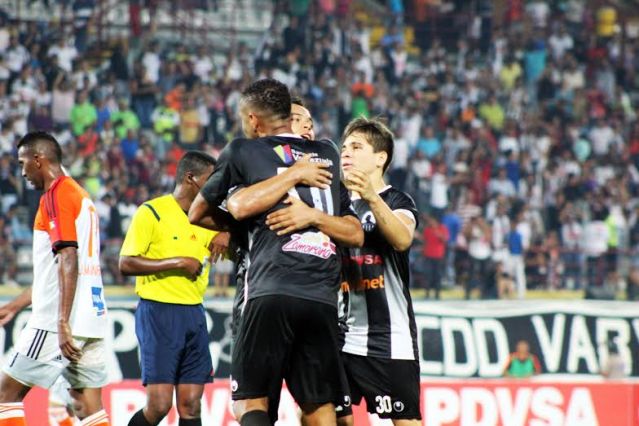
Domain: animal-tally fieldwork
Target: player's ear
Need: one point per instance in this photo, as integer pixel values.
(381, 159)
(38, 160)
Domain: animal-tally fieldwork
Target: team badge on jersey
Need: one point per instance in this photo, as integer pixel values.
(368, 222)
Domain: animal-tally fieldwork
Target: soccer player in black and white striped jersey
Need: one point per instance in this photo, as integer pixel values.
(380, 340)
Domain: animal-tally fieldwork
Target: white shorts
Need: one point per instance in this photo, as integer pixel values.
(37, 361)
(59, 393)
(224, 266)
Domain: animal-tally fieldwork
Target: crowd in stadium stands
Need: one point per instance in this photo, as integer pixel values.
(518, 141)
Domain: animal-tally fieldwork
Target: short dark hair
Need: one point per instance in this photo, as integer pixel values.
(269, 96)
(375, 132)
(297, 100)
(195, 162)
(47, 143)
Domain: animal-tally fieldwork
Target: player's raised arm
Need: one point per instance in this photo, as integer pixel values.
(397, 227)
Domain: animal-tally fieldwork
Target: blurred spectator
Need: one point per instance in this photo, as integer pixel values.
(8, 266)
(143, 95)
(555, 267)
(130, 146)
(571, 238)
(65, 53)
(493, 113)
(428, 144)
(124, 119)
(504, 282)
(478, 234)
(522, 364)
(83, 114)
(439, 191)
(595, 238)
(501, 185)
(84, 77)
(190, 125)
(9, 183)
(632, 284)
(435, 240)
(615, 365)
(152, 63)
(62, 101)
(453, 224)
(515, 258)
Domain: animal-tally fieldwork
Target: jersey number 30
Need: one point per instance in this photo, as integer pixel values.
(383, 404)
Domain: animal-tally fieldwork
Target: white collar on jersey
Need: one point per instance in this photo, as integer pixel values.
(355, 195)
(289, 135)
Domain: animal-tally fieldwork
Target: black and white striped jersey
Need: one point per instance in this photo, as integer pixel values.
(375, 303)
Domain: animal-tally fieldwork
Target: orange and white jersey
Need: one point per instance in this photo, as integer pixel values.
(67, 217)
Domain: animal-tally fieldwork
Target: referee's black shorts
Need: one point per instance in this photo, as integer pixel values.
(284, 337)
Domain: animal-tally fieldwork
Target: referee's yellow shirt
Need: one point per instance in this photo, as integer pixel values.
(160, 229)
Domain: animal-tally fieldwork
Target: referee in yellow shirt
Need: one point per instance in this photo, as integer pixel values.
(171, 259)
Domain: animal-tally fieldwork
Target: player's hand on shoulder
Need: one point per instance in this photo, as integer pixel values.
(191, 267)
(311, 173)
(218, 246)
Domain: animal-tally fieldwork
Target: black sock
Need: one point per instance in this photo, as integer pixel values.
(190, 422)
(255, 418)
(138, 419)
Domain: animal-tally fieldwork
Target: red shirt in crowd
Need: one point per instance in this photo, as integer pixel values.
(435, 238)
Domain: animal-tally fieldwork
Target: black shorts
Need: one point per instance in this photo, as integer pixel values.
(389, 386)
(274, 394)
(283, 337)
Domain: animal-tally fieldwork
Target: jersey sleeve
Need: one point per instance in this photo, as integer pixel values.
(226, 175)
(346, 207)
(233, 190)
(140, 233)
(401, 202)
(63, 204)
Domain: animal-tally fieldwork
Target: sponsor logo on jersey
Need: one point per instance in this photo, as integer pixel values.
(314, 243)
(365, 284)
(284, 152)
(364, 259)
(288, 155)
(98, 302)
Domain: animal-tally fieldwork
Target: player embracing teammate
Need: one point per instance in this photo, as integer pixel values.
(294, 227)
